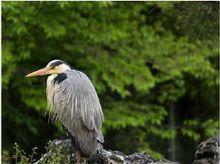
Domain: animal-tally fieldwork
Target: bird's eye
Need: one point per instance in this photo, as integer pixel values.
(52, 67)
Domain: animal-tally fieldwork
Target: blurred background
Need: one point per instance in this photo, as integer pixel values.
(154, 65)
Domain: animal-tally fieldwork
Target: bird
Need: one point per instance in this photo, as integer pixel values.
(73, 101)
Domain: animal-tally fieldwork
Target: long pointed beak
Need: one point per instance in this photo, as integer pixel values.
(40, 72)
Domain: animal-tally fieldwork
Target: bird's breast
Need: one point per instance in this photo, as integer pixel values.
(50, 90)
(53, 82)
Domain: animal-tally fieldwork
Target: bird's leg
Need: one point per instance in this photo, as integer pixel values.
(65, 135)
(78, 157)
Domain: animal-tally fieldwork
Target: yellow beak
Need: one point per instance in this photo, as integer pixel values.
(40, 72)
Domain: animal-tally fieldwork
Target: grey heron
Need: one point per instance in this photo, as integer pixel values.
(72, 99)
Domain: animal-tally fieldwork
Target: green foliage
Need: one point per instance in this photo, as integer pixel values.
(141, 57)
(59, 154)
(211, 127)
(20, 156)
(188, 131)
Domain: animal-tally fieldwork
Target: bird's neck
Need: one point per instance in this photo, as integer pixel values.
(51, 78)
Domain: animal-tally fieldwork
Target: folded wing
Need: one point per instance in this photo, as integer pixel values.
(77, 106)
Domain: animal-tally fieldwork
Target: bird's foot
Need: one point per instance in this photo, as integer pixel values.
(78, 157)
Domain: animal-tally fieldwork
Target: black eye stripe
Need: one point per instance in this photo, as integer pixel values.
(56, 63)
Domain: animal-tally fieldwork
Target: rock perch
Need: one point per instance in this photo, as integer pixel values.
(61, 151)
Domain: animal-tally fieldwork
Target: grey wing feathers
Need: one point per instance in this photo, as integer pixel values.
(77, 106)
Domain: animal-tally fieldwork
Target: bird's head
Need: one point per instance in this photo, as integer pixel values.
(53, 67)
